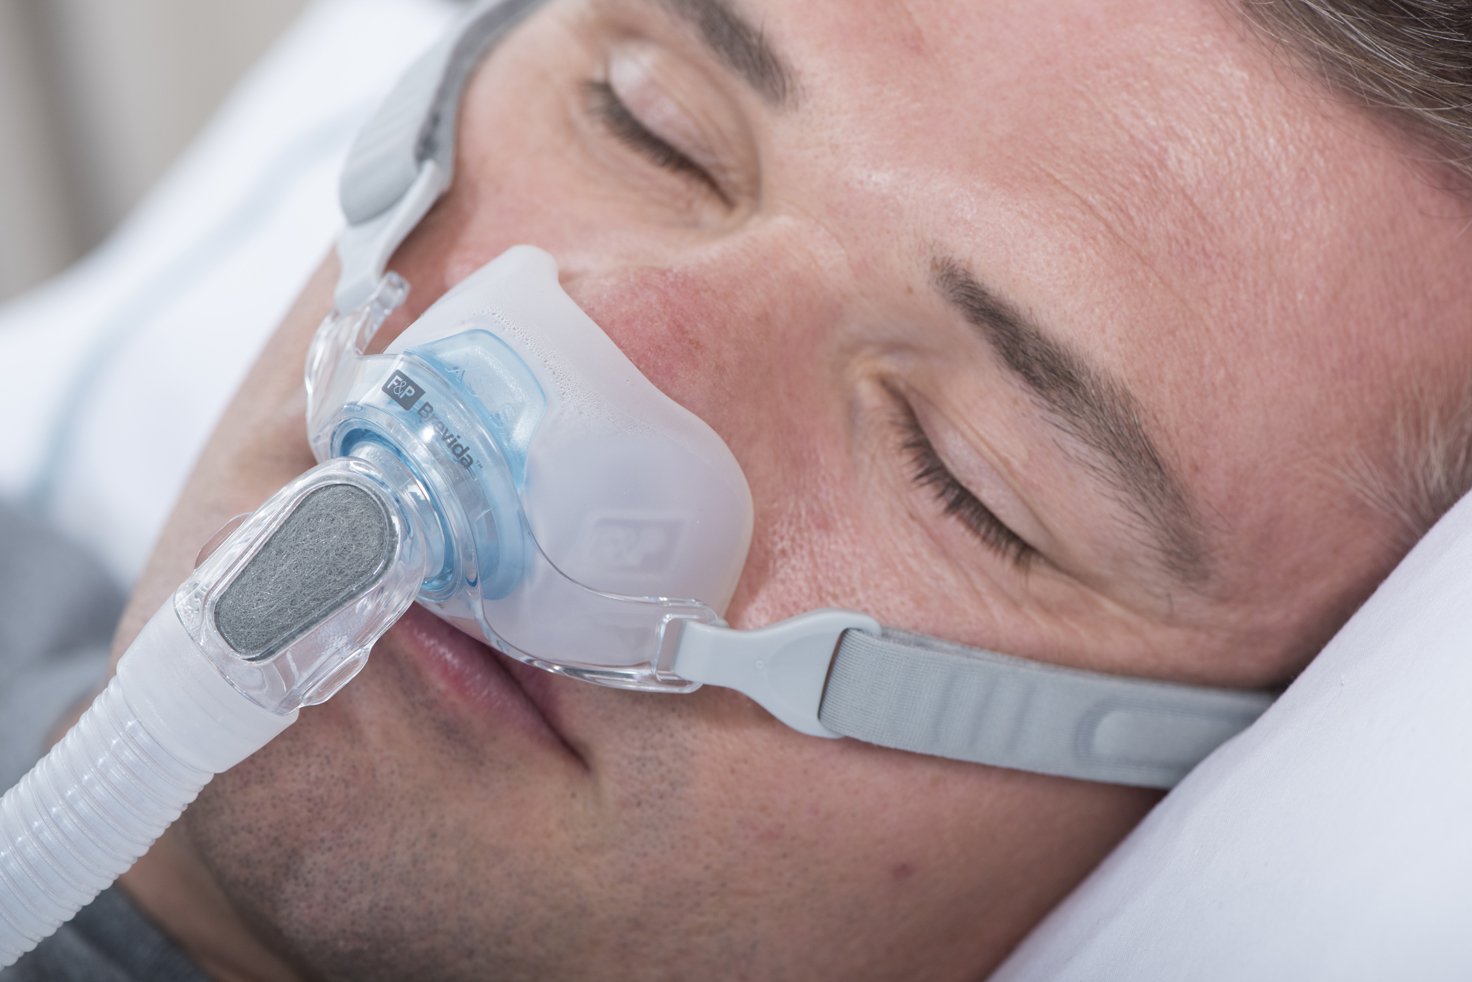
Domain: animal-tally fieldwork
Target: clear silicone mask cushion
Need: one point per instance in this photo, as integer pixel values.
(572, 510)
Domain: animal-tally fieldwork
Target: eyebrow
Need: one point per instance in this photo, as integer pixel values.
(741, 45)
(1093, 407)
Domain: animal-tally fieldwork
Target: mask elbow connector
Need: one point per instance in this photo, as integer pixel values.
(280, 616)
(289, 607)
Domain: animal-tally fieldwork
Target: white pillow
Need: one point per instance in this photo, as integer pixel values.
(118, 369)
(1332, 840)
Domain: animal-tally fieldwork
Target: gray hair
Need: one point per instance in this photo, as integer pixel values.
(1429, 467)
(1410, 63)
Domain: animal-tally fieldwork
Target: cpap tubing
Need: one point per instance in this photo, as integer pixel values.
(280, 616)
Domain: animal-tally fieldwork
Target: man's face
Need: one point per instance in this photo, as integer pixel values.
(1044, 332)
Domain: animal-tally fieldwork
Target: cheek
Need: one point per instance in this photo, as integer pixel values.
(786, 834)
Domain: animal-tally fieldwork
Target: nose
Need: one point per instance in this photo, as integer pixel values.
(741, 335)
(752, 341)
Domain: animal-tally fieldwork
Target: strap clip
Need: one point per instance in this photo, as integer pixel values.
(783, 666)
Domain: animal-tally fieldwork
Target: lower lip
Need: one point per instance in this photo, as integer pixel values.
(497, 692)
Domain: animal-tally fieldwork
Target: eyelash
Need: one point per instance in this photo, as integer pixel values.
(622, 124)
(929, 471)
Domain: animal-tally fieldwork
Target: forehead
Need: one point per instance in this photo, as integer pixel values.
(995, 71)
(1161, 190)
(1148, 122)
(1134, 167)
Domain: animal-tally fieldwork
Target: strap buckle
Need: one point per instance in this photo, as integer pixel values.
(783, 666)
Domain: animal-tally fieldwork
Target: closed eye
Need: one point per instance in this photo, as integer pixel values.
(609, 110)
(929, 471)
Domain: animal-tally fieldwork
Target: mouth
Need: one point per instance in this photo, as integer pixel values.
(487, 688)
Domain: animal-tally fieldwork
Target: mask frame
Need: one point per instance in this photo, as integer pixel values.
(553, 475)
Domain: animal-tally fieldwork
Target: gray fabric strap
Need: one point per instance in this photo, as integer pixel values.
(417, 121)
(930, 696)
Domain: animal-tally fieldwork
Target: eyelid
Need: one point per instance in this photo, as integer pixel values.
(957, 500)
(994, 463)
(678, 103)
(628, 128)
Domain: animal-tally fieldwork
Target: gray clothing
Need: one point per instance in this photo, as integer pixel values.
(58, 609)
(108, 941)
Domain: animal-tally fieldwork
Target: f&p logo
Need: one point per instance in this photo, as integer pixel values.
(403, 390)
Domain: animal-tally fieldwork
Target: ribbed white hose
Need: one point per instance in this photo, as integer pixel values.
(82, 817)
(163, 727)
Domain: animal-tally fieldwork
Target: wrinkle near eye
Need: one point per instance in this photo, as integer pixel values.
(681, 106)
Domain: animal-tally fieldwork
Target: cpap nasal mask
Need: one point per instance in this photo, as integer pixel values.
(557, 478)
(506, 465)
